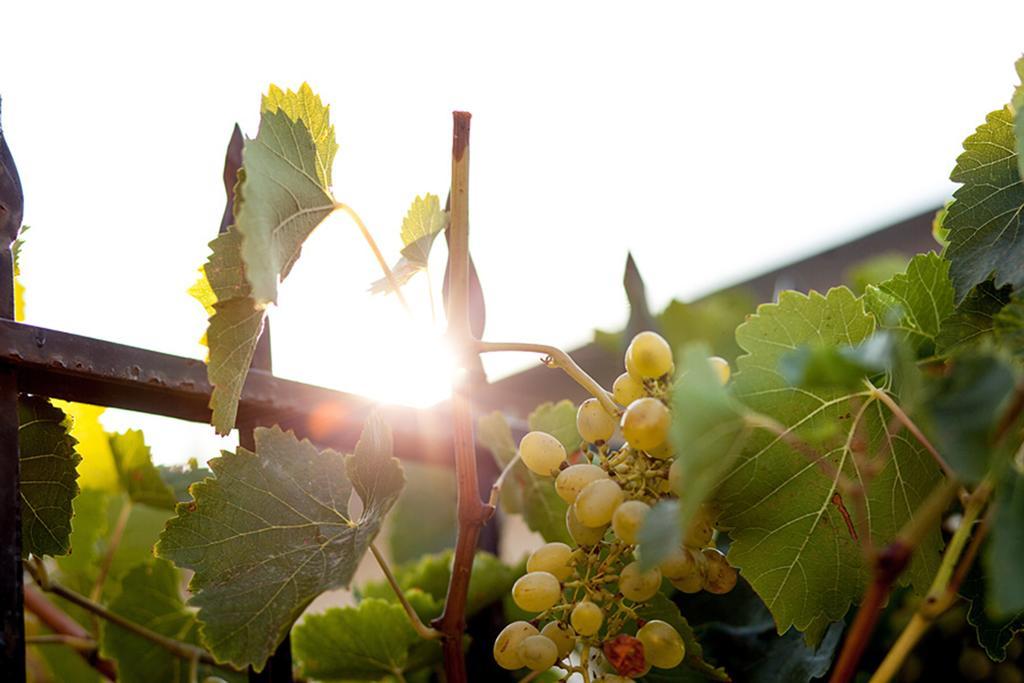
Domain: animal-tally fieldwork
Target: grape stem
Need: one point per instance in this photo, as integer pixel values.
(943, 592)
(177, 648)
(555, 357)
(473, 513)
(421, 629)
(496, 486)
(388, 273)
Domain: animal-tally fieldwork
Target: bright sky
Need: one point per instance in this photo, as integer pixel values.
(714, 140)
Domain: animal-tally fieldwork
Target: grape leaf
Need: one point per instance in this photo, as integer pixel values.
(1018, 121)
(180, 477)
(1008, 326)
(711, 320)
(816, 366)
(151, 598)
(88, 526)
(364, 642)
(424, 519)
(708, 432)
(139, 478)
(305, 105)
(524, 492)
(284, 200)
(874, 271)
(402, 272)
(661, 531)
(961, 411)
(558, 420)
(994, 633)
(48, 477)
(973, 320)
(660, 607)
(1005, 552)
(422, 223)
(984, 220)
(272, 530)
(914, 303)
(795, 538)
(203, 293)
(97, 469)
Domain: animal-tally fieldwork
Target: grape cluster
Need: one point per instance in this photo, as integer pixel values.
(588, 596)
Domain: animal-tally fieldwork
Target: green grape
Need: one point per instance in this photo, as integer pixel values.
(645, 423)
(506, 645)
(582, 534)
(719, 576)
(693, 582)
(627, 520)
(542, 453)
(597, 502)
(214, 679)
(721, 368)
(573, 478)
(675, 476)
(627, 389)
(539, 653)
(586, 618)
(701, 530)
(594, 423)
(663, 646)
(554, 558)
(536, 591)
(662, 452)
(637, 585)
(562, 636)
(679, 564)
(649, 355)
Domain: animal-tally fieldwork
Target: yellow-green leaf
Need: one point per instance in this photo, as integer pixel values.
(305, 106)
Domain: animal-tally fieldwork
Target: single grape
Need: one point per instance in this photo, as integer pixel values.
(597, 502)
(542, 453)
(586, 618)
(701, 530)
(536, 591)
(627, 389)
(539, 653)
(645, 423)
(562, 636)
(613, 678)
(663, 646)
(721, 368)
(554, 558)
(675, 476)
(594, 423)
(506, 645)
(637, 585)
(679, 564)
(582, 534)
(662, 452)
(720, 576)
(627, 520)
(650, 355)
(573, 478)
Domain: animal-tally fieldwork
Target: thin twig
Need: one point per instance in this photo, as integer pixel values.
(496, 486)
(58, 621)
(422, 629)
(86, 645)
(175, 647)
(558, 358)
(112, 546)
(388, 273)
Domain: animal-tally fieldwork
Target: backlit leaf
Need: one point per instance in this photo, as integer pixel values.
(914, 303)
(558, 420)
(422, 223)
(139, 478)
(306, 106)
(97, 469)
(272, 530)
(48, 477)
(795, 535)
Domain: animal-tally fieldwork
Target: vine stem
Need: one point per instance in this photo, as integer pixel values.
(421, 629)
(472, 512)
(175, 647)
(496, 486)
(58, 621)
(943, 591)
(108, 557)
(87, 645)
(558, 358)
(388, 273)
(889, 563)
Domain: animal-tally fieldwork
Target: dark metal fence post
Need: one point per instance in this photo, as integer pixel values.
(12, 613)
